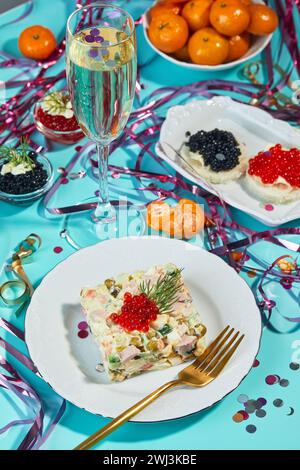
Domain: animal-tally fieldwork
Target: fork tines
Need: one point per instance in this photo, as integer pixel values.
(218, 353)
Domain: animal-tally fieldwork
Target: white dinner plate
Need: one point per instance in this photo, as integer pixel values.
(254, 127)
(68, 363)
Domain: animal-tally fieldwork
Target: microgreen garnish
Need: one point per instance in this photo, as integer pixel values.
(18, 155)
(58, 104)
(165, 291)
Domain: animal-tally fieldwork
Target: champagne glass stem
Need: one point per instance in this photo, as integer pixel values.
(104, 212)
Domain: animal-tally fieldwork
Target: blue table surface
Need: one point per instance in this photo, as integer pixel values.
(213, 428)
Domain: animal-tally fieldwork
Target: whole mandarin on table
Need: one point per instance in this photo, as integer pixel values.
(163, 7)
(229, 17)
(37, 42)
(238, 46)
(208, 47)
(168, 32)
(263, 20)
(196, 13)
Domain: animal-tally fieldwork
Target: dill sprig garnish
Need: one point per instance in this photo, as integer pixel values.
(165, 291)
(17, 155)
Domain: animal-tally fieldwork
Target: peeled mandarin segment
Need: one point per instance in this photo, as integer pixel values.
(189, 219)
(159, 216)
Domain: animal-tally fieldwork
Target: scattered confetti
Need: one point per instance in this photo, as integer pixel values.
(269, 207)
(260, 413)
(294, 365)
(251, 273)
(284, 383)
(93, 53)
(242, 398)
(256, 363)
(278, 402)
(251, 428)
(291, 412)
(95, 32)
(250, 407)
(244, 414)
(286, 283)
(83, 334)
(238, 417)
(57, 249)
(64, 181)
(260, 402)
(272, 379)
(110, 63)
(83, 325)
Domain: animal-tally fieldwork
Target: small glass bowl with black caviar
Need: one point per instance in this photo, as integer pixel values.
(28, 187)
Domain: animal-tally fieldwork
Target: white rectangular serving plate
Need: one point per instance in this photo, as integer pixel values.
(253, 127)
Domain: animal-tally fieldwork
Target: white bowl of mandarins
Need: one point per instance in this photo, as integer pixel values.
(209, 34)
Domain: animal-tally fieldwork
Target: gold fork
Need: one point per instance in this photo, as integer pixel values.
(198, 374)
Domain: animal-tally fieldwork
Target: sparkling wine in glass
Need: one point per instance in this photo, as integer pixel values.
(101, 74)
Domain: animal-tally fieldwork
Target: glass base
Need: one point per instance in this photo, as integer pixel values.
(104, 214)
(85, 228)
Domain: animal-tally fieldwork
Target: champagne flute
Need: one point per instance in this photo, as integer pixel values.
(101, 73)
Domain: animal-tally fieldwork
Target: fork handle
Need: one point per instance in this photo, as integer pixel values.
(125, 416)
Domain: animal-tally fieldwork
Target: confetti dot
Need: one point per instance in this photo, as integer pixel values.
(261, 402)
(57, 249)
(64, 181)
(82, 334)
(250, 409)
(269, 207)
(291, 412)
(93, 53)
(89, 38)
(251, 428)
(238, 417)
(251, 273)
(284, 383)
(242, 398)
(99, 39)
(78, 148)
(260, 413)
(278, 402)
(272, 379)
(83, 325)
(244, 414)
(294, 365)
(95, 32)
(110, 63)
(286, 283)
(256, 363)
